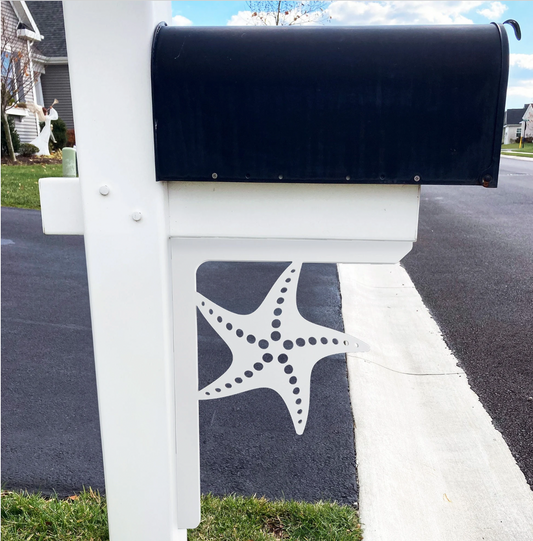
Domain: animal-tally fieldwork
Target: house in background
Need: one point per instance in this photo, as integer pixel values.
(527, 122)
(23, 27)
(55, 80)
(39, 27)
(513, 124)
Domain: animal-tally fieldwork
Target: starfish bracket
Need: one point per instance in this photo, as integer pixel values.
(274, 347)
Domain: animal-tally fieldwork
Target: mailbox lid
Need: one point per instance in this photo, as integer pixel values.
(385, 105)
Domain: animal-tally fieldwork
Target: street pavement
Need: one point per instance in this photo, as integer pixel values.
(473, 266)
(50, 428)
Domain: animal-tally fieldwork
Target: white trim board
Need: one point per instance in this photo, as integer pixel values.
(367, 212)
(431, 465)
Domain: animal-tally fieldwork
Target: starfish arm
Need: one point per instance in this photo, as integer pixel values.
(243, 375)
(332, 341)
(296, 397)
(233, 328)
(282, 295)
(233, 381)
(314, 340)
(280, 311)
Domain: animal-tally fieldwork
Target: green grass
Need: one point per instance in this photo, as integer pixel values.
(512, 150)
(26, 517)
(20, 184)
(83, 517)
(238, 518)
(528, 147)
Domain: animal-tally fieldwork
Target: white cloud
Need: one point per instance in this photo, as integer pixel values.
(523, 88)
(524, 61)
(494, 12)
(243, 18)
(408, 12)
(180, 20)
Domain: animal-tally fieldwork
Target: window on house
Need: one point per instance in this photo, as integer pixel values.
(7, 72)
(12, 75)
(39, 91)
(518, 132)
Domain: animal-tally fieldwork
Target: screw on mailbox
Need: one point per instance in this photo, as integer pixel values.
(417, 178)
(104, 190)
(136, 216)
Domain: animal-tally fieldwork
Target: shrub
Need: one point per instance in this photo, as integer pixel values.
(14, 137)
(71, 138)
(59, 129)
(26, 149)
(528, 139)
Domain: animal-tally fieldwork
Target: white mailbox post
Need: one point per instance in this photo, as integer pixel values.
(144, 242)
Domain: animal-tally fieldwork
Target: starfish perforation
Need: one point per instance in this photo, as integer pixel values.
(274, 347)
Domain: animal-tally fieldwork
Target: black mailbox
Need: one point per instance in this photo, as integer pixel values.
(379, 105)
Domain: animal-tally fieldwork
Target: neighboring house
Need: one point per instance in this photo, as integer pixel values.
(527, 122)
(21, 24)
(53, 47)
(39, 27)
(513, 124)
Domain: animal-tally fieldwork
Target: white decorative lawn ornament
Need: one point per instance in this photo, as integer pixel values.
(43, 139)
(274, 347)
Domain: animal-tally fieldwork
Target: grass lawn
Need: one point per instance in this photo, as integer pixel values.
(20, 183)
(512, 150)
(83, 517)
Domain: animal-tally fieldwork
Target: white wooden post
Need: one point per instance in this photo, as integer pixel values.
(126, 238)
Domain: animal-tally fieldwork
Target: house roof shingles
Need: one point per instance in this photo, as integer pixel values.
(514, 116)
(49, 18)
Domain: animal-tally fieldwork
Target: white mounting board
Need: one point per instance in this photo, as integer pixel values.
(294, 211)
(61, 206)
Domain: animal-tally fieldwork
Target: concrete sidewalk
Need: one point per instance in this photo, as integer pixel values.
(431, 465)
(517, 157)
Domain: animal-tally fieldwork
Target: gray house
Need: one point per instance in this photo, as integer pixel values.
(55, 82)
(23, 34)
(512, 124)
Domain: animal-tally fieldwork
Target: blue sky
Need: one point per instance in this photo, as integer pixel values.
(520, 91)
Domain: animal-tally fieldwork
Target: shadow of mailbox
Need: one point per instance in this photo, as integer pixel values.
(374, 105)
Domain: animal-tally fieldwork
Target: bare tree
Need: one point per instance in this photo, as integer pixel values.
(272, 13)
(18, 75)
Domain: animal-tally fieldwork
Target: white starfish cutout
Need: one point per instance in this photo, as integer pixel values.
(274, 347)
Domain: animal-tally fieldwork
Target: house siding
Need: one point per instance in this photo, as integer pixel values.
(26, 126)
(56, 85)
(8, 13)
(509, 134)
